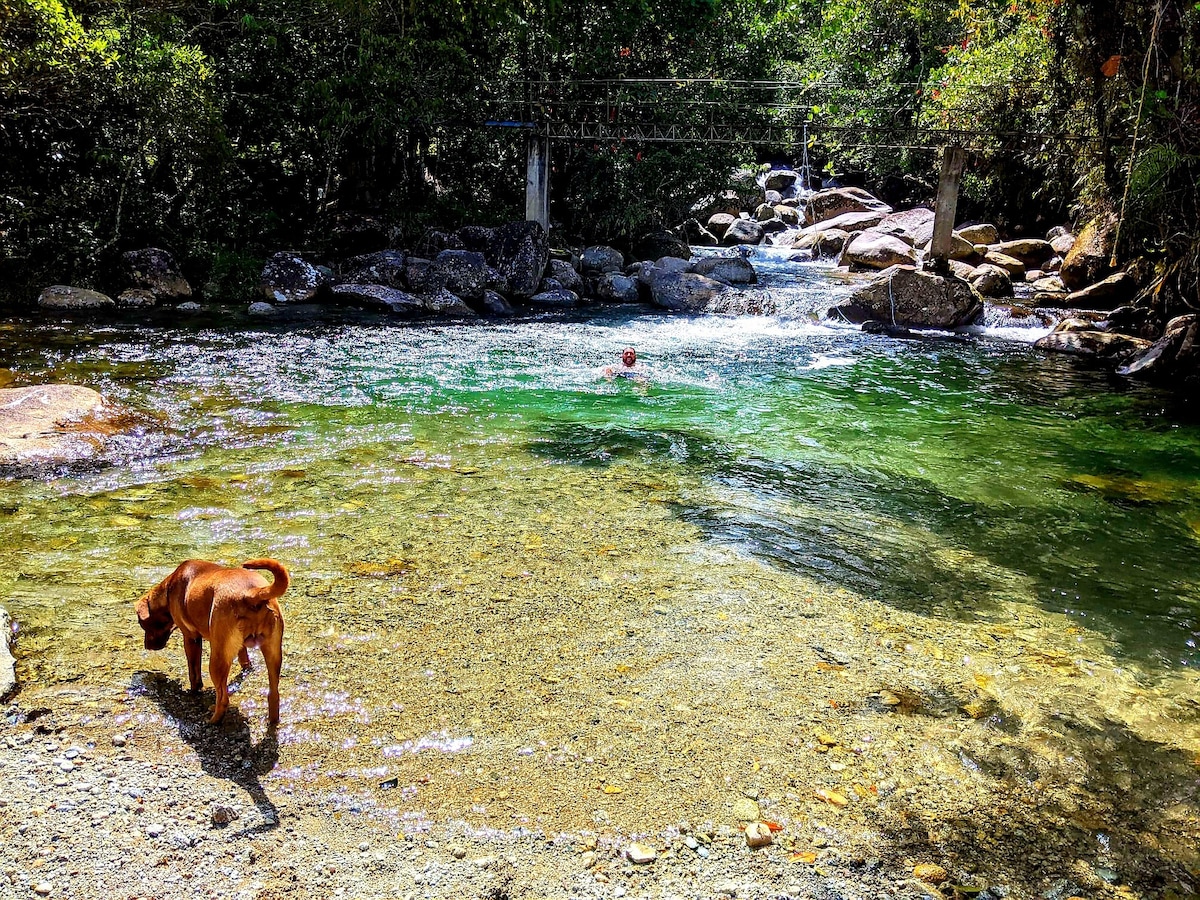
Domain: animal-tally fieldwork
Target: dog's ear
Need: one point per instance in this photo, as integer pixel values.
(143, 610)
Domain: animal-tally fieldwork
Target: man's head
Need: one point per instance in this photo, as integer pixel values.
(629, 356)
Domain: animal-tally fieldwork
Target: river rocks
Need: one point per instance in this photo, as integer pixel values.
(156, 271)
(1089, 258)
(418, 275)
(640, 854)
(444, 303)
(823, 244)
(65, 297)
(873, 250)
(494, 304)
(466, 274)
(1112, 291)
(788, 215)
(8, 665)
(719, 223)
(743, 231)
(658, 244)
(930, 873)
(907, 297)
(136, 298)
(560, 298)
(726, 269)
(758, 834)
(386, 267)
(564, 273)
(782, 180)
(260, 308)
(684, 291)
(991, 281)
(835, 201)
(433, 242)
(697, 235)
(1010, 264)
(519, 251)
(914, 226)
(600, 259)
(1104, 345)
(476, 238)
(50, 424)
(379, 296)
(1175, 356)
(850, 222)
(764, 212)
(1030, 251)
(615, 287)
(287, 278)
(1062, 243)
(979, 234)
(1136, 321)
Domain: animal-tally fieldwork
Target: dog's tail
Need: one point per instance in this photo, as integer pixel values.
(276, 588)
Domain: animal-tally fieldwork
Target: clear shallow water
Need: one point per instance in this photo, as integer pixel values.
(944, 475)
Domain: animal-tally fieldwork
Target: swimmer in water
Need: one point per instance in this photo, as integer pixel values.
(628, 367)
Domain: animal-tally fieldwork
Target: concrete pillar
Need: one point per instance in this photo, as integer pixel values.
(944, 209)
(537, 179)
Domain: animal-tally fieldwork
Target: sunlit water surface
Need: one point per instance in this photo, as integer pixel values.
(951, 475)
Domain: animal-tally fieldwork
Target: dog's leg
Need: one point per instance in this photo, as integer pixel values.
(220, 658)
(244, 659)
(193, 648)
(272, 650)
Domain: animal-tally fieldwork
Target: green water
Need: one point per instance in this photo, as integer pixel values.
(952, 477)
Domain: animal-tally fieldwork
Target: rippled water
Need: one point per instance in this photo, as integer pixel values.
(946, 474)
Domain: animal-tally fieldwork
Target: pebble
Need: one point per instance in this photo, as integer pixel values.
(43, 888)
(746, 810)
(119, 740)
(930, 873)
(458, 852)
(690, 842)
(640, 854)
(67, 766)
(758, 835)
(222, 816)
(588, 859)
(154, 830)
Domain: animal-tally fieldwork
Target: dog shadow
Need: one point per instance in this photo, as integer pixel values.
(225, 750)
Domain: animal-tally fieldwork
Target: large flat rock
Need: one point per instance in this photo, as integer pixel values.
(50, 423)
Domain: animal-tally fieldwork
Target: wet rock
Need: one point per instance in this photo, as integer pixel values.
(1174, 356)
(494, 304)
(904, 296)
(850, 222)
(823, 244)
(378, 296)
(519, 251)
(1097, 344)
(658, 244)
(743, 231)
(781, 180)
(560, 298)
(287, 278)
(991, 281)
(465, 274)
(155, 270)
(614, 287)
(1010, 264)
(387, 267)
(62, 296)
(873, 250)
(758, 834)
(764, 212)
(260, 308)
(444, 303)
(684, 291)
(1112, 291)
(51, 424)
(136, 298)
(1137, 321)
(726, 269)
(719, 223)
(599, 259)
(640, 854)
(564, 273)
(8, 665)
(980, 234)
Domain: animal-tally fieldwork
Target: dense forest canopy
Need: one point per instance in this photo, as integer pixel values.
(224, 129)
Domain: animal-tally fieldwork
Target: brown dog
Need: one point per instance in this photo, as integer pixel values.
(233, 609)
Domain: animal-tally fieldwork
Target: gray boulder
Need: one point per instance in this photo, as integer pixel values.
(872, 250)
(719, 223)
(600, 259)
(1105, 345)
(465, 274)
(559, 298)
(1173, 357)
(781, 180)
(726, 269)
(379, 296)
(991, 281)
(615, 287)
(156, 271)
(913, 225)
(772, 198)
(260, 308)
(287, 278)
(684, 291)
(62, 296)
(914, 299)
(658, 244)
(743, 231)
(519, 251)
(494, 304)
(443, 303)
(385, 267)
(835, 201)
(564, 273)
(418, 275)
(823, 244)
(136, 298)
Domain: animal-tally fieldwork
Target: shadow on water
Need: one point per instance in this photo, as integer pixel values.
(225, 750)
(901, 540)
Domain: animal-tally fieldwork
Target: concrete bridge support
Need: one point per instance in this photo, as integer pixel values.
(537, 178)
(945, 208)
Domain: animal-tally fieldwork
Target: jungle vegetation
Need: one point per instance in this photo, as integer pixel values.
(225, 129)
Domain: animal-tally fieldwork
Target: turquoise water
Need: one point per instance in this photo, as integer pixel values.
(947, 475)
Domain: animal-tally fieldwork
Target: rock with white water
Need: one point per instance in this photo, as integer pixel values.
(684, 291)
(1105, 345)
(823, 244)
(872, 250)
(743, 231)
(906, 297)
(726, 269)
(781, 180)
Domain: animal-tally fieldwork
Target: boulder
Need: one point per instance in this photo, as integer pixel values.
(872, 250)
(136, 298)
(1112, 291)
(564, 273)
(765, 212)
(444, 303)
(991, 281)
(772, 198)
(773, 226)
(555, 299)
(1030, 251)
(600, 259)
(1009, 264)
(418, 273)
(476, 238)
(1173, 357)
(494, 304)
(385, 267)
(835, 201)
(61, 296)
(1088, 259)
(1105, 345)
(910, 298)
(788, 215)
(156, 271)
(1053, 264)
(1051, 283)
(781, 180)
(743, 231)
(684, 291)
(354, 233)
(519, 251)
(660, 243)
(287, 278)
(823, 244)
(646, 272)
(50, 424)
(260, 308)
(961, 248)
(914, 225)
(719, 223)
(850, 222)
(8, 665)
(615, 287)
(980, 234)
(465, 274)
(697, 235)
(1062, 244)
(726, 269)
(1137, 321)
(433, 242)
(379, 296)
